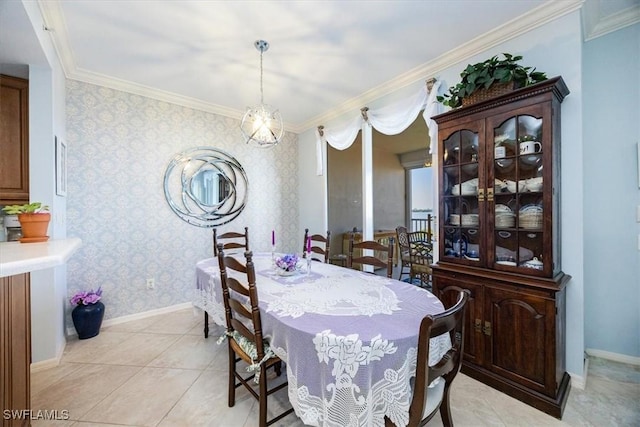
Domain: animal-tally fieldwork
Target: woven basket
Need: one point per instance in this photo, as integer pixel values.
(494, 90)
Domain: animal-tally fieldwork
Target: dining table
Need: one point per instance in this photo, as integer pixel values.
(348, 338)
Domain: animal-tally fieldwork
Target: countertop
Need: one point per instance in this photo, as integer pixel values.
(18, 258)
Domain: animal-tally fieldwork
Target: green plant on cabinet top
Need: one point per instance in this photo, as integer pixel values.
(484, 74)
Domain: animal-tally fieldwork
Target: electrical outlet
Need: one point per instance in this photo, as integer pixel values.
(151, 284)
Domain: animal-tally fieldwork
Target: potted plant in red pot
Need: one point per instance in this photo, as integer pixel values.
(34, 220)
(88, 313)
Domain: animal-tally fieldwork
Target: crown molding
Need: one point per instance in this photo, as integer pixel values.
(154, 93)
(594, 25)
(547, 12)
(53, 19)
(539, 16)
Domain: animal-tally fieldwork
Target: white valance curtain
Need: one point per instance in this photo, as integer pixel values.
(390, 120)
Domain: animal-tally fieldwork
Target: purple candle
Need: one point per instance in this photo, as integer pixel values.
(308, 244)
(273, 237)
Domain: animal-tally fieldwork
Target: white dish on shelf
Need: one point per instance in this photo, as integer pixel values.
(511, 263)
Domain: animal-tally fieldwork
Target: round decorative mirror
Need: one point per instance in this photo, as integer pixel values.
(206, 187)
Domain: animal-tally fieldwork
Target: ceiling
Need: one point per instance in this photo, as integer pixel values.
(326, 57)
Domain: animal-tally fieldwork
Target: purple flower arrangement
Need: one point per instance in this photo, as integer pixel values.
(86, 298)
(287, 262)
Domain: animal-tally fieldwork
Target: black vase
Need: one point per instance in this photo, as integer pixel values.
(87, 319)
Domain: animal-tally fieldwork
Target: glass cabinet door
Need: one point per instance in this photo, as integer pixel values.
(518, 205)
(462, 216)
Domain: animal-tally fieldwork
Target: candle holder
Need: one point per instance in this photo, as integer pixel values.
(273, 255)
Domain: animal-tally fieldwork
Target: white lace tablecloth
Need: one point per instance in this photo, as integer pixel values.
(349, 339)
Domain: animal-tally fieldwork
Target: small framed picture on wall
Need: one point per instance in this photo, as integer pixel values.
(61, 167)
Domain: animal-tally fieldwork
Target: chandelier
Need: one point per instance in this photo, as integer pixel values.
(262, 124)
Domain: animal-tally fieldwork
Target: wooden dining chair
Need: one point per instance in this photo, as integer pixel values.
(382, 256)
(426, 401)
(420, 256)
(322, 250)
(403, 247)
(231, 240)
(244, 334)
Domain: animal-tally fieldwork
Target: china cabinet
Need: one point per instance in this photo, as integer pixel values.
(14, 140)
(498, 199)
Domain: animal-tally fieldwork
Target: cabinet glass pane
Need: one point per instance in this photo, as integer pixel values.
(518, 208)
(460, 202)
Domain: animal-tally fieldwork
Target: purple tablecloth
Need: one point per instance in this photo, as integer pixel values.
(349, 339)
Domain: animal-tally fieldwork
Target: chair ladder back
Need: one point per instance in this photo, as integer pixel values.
(317, 249)
(234, 307)
(237, 240)
(371, 259)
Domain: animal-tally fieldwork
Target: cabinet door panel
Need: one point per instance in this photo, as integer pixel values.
(521, 151)
(14, 140)
(522, 337)
(447, 291)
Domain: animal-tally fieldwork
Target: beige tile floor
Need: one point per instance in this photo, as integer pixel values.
(160, 371)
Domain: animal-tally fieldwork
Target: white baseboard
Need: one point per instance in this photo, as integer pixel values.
(580, 381)
(49, 363)
(137, 316)
(616, 357)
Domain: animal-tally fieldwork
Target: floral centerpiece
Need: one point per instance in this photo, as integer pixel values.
(287, 264)
(88, 312)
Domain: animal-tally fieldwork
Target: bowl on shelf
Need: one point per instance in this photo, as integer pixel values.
(454, 219)
(534, 263)
(506, 260)
(470, 168)
(505, 164)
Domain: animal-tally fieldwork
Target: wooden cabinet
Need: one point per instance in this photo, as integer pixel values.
(15, 348)
(14, 140)
(498, 199)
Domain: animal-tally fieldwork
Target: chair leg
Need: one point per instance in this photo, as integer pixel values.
(206, 324)
(263, 398)
(232, 376)
(445, 409)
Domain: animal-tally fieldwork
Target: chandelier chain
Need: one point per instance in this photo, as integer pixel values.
(261, 91)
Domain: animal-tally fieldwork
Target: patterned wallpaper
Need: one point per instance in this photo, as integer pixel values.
(119, 146)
